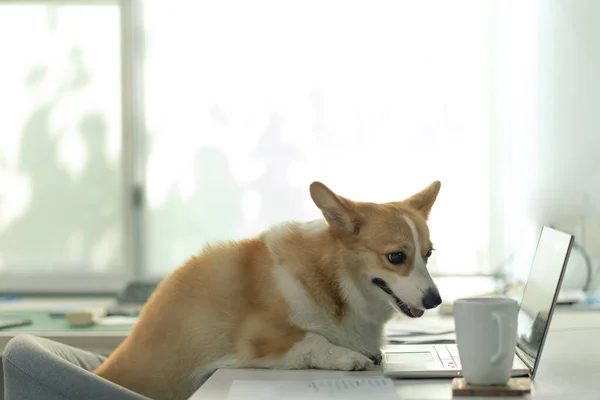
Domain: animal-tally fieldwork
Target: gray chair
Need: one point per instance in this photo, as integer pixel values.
(38, 368)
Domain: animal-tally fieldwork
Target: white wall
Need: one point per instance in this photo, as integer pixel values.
(547, 111)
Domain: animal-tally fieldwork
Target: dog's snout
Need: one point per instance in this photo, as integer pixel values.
(431, 299)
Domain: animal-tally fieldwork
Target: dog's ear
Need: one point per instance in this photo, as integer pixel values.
(423, 201)
(339, 212)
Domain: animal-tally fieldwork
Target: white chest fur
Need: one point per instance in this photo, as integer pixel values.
(360, 329)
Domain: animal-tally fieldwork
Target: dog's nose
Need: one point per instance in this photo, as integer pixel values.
(431, 299)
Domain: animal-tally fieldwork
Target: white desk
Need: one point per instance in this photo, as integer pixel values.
(569, 369)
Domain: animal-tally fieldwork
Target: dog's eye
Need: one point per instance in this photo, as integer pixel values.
(396, 258)
(429, 253)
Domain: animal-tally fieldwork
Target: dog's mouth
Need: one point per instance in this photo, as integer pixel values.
(407, 310)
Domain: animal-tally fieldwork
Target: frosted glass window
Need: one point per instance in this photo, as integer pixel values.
(61, 194)
(246, 103)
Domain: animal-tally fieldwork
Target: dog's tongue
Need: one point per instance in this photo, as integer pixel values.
(416, 312)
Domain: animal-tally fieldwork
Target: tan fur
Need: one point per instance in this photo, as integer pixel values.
(229, 307)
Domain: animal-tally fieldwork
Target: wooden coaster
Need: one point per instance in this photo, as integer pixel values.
(514, 387)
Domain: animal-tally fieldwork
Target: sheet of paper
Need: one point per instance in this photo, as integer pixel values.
(347, 389)
(399, 333)
(422, 326)
(421, 331)
(423, 339)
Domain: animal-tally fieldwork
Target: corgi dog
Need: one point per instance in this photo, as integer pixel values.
(300, 295)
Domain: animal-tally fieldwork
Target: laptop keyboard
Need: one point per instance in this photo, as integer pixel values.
(448, 355)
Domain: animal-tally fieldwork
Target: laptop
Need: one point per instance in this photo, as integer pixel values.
(535, 313)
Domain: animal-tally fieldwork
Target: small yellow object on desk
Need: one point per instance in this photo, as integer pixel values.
(84, 317)
(514, 387)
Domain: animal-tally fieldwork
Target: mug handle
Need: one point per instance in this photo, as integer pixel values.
(502, 348)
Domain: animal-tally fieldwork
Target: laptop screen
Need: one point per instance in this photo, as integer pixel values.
(540, 293)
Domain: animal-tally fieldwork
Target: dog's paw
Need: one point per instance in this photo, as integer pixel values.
(352, 361)
(376, 358)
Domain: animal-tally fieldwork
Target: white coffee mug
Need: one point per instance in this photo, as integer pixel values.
(486, 336)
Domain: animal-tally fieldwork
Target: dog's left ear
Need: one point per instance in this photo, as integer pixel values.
(339, 212)
(423, 201)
